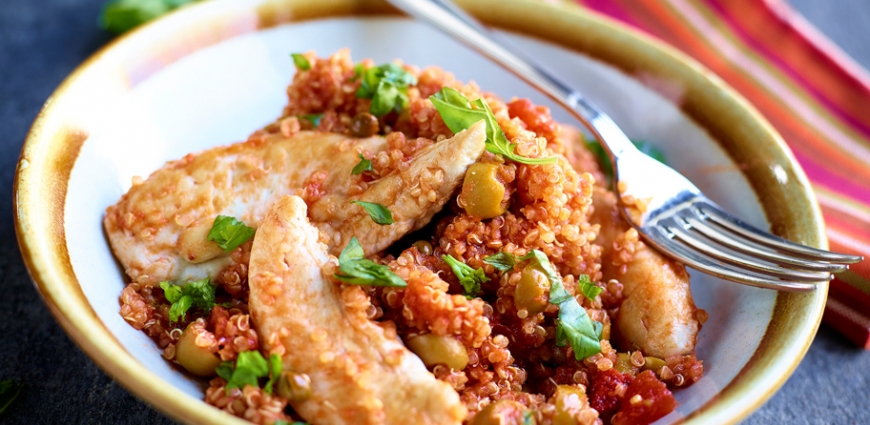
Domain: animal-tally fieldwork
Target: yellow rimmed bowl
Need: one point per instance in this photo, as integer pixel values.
(212, 73)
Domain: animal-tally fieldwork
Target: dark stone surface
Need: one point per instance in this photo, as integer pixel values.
(42, 41)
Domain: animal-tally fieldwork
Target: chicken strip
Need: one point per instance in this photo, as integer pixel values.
(158, 229)
(413, 196)
(658, 315)
(360, 372)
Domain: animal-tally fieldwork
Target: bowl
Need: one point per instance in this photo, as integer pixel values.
(212, 73)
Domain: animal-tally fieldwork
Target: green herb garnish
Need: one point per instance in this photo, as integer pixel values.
(588, 288)
(459, 114)
(229, 232)
(249, 367)
(503, 261)
(362, 166)
(355, 269)
(119, 16)
(300, 61)
(573, 326)
(9, 390)
(379, 213)
(194, 294)
(314, 119)
(469, 278)
(283, 422)
(604, 160)
(387, 87)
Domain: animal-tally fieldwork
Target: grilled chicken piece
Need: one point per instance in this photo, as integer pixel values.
(658, 315)
(360, 372)
(158, 229)
(413, 195)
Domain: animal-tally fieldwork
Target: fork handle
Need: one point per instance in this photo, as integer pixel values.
(446, 16)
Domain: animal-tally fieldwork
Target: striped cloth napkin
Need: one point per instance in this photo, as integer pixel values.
(810, 90)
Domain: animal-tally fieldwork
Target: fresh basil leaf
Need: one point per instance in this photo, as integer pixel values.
(387, 87)
(300, 61)
(250, 366)
(362, 166)
(314, 119)
(589, 289)
(274, 372)
(199, 293)
(9, 390)
(357, 72)
(469, 278)
(573, 326)
(229, 232)
(460, 114)
(120, 16)
(355, 269)
(503, 261)
(379, 213)
(529, 418)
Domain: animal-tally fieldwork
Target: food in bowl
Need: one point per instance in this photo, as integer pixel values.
(402, 247)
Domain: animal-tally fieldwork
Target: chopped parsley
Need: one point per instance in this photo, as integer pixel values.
(503, 261)
(199, 293)
(120, 16)
(387, 87)
(300, 61)
(362, 166)
(379, 213)
(355, 269)
(9, 390)
(314, 119)
(249, 367)
(469, 278)
(573, 326)
(459, 114)
(604, 160)
(229, 232)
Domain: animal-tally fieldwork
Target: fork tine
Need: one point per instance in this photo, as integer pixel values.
(718, 216)
(705, 245)
(689, 256)
(696, 221)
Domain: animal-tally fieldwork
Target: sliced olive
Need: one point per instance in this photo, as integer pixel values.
(294, 386)
(653, 363)
(424, 247)
(569, 402)
(623, 364)
(504, 412)
(197, 360)
(438, 349)
(482, 191)
(364, 125)
(533, 289)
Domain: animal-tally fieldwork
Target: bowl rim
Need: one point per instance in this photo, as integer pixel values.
(50, 149)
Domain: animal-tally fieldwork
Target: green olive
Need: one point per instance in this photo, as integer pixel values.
(569, 402)
(653, 363)
(623, 363)
(482, 191)
(503, 412)
(197, 360)
(364, 125)
(294, 386)
(437, 349)
(533, 289)
(424, 247)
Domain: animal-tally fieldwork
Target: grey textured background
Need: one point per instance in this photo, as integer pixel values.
(41, 41)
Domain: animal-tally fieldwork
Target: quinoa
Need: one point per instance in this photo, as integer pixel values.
(512, 350)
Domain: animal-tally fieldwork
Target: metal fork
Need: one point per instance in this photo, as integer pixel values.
(679, 220)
